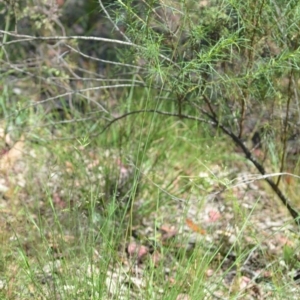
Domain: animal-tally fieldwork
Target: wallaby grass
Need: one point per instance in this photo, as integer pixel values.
(54, 252)
(77, 250)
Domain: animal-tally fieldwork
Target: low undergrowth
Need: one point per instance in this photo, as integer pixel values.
(147, 150)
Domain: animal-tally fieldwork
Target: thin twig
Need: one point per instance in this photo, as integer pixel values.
(113, 23)
(188, 117)
(155, 111)
(27, 38)
(284, 199)
(103, 60)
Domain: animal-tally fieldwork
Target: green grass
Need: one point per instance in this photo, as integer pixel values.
(196, 222)
(66, 244)
(63, 243)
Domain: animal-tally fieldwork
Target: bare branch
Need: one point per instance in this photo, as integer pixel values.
(158, 112)
(27, 38)
(188, 117)
(103, 60)
(284, 199)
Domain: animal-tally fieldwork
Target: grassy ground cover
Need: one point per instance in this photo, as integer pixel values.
(119, 186)
(196, 225)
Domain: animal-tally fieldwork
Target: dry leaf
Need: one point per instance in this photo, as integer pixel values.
(8, 160)
(214, 216)
(69, 167)
(58, 201)
(168, 232)
(194, 226)
(137, 251)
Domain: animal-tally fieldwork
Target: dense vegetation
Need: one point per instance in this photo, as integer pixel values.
(149, 149)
